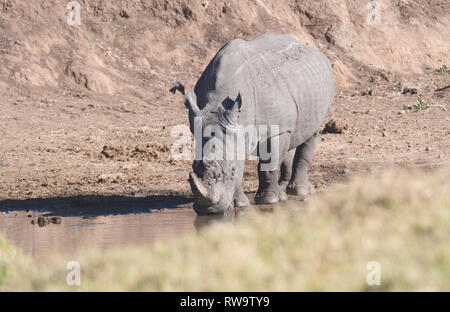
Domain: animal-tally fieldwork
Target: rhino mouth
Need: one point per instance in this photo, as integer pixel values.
(210, 210)
(206, 200)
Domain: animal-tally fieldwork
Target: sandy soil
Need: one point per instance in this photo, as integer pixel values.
(87, 111)
(64, 146)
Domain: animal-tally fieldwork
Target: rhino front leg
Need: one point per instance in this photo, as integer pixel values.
(299, 184)
(239, 198)
(269, 192)
(286, 169)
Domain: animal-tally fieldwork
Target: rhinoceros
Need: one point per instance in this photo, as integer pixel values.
(272, 80)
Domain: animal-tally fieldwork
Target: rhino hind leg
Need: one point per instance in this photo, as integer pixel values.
(286, 170)
(269, 191)
(299, 184)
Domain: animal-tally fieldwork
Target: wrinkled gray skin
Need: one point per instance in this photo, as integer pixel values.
(271, 80)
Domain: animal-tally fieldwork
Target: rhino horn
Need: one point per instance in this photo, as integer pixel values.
(202, 194)
(190, 101)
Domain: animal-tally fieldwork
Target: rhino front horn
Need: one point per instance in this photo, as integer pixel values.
(203, 195)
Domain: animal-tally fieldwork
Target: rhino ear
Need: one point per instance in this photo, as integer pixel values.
(230, 110)
(190, 101)
(233, 106)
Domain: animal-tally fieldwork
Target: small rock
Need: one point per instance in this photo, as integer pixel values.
(407, 90)
(368, 92)
(334, 126)
(102, 178)
(56, 220)
(140, 148)
(124, 14)
(41, 221)
(143, 130)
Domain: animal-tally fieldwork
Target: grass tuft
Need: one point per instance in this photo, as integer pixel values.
(443, 70)
(421, 105)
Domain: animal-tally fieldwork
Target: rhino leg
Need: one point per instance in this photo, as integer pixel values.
(286, 169)
(299, 184)
(239, 198)
(269, 192)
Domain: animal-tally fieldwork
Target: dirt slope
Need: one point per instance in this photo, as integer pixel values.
(127, 46)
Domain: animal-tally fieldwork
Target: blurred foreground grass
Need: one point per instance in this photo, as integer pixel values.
(399, 219)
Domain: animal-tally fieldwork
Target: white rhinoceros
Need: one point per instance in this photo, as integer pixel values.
(272, 80)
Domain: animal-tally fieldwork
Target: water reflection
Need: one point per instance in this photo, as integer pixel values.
(105, 222)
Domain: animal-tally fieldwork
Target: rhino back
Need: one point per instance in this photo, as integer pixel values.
(281, 81)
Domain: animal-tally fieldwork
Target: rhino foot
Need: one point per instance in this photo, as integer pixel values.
(302, 190)
(241, 200)
(283, 184)
(270, 197)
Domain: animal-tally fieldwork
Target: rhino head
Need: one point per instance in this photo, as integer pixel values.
(216, 176)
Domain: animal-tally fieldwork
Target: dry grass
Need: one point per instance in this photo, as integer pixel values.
(399, 219)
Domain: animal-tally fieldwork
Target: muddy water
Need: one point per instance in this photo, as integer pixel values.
(98, 221)
(101, 231)
(93, 220)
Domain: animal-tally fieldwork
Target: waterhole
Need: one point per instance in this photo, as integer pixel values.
(40, 227)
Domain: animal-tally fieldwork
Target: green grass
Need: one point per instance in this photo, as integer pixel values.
(399, 219)
(421, 105)
(443, 70)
